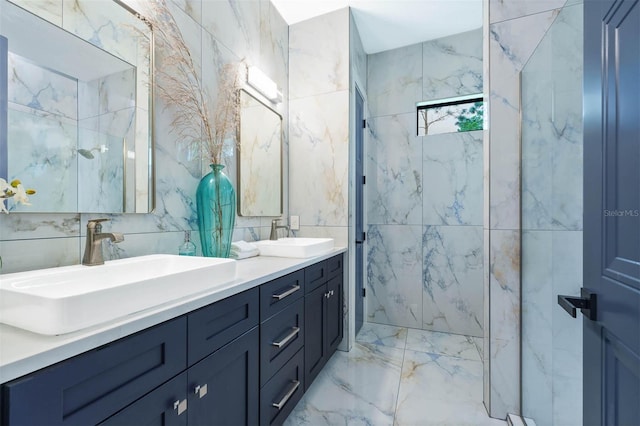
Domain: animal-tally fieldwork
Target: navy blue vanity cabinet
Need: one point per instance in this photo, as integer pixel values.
(91, 387)
(223, 387)
(323, 316)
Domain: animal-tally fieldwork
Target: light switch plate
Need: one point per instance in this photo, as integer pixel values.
(294, 223)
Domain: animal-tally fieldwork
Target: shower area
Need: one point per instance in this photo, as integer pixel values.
(551, 214)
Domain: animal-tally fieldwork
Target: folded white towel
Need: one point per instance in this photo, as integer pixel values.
(242, 247)
(244, 254)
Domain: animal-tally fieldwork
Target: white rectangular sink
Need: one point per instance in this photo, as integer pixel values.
(70, 298)
(295, 247)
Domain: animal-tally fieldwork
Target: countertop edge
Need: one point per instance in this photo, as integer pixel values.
(30, 352)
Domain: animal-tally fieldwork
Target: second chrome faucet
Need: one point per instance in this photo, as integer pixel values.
(93, 248)
(274, 229)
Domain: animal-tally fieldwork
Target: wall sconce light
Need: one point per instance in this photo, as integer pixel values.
(263, 84)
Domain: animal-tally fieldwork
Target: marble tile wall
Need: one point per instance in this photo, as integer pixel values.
(513, 30)
(319, 125)
(33, 241)
(319, 131)
(424, 194)
(552, 223)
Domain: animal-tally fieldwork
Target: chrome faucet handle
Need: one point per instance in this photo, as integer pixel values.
(275, 221)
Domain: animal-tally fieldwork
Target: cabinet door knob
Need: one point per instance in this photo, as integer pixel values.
(180, 406)
(201, 390)
(327, 295)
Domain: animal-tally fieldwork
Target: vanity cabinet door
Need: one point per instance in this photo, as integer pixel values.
(315, 347)
(163, 407)
(223, 388)
(334, 314)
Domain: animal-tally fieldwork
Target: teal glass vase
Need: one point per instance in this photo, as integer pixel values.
(216, 203)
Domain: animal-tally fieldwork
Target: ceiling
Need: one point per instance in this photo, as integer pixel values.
(388, 24)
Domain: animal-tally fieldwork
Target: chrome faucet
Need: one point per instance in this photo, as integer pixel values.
(93, 249)
(274, 229)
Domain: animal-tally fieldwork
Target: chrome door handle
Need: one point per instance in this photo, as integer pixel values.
(286, 293)
(587, 303)
(287, 396)
(281, 343)
(180, 406)
(201, 390)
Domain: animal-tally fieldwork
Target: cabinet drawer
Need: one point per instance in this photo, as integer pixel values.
(90, 387)
(280, 293)
(335, 266)
(314, 276)
(215, 325)
(281, 394)
(280, 337)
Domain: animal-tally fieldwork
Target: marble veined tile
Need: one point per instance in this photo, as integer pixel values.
(105, 25)
(41, 89)
(393, 275)
(49, 163)
(440, 390)
(319, 55)
(394, 80)
(438, 343)
(452, 66)
(26, 255)
(50, 10)
(235, 24)
(356, 387)
(452, 179)
(394, 171)
(452, 279)
(501, 10)
(318, 154)
(381, 334)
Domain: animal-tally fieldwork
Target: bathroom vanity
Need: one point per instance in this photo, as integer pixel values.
(239, 355)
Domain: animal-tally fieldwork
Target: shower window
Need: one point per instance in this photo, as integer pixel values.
(461, 114)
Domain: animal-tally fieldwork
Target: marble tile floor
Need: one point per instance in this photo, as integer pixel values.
(399, 376)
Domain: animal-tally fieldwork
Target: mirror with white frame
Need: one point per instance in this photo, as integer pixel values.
(79, 106)
(260, 158)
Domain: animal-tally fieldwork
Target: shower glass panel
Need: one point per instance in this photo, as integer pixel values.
(551, 107)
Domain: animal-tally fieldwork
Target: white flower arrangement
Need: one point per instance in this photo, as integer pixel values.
(15, 191)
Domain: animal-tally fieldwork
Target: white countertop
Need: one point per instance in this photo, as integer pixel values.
(22, 352)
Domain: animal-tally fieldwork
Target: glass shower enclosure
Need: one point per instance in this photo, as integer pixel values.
(551, 212)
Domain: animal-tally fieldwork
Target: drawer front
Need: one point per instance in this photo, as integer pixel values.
(281, 394)
(280, 293)
(215, 325)
(91, 387)
(335, 266)
(280, 337)
(315, 276)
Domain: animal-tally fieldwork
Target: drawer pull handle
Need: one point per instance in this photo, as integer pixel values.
(287, 293)
(287, 396)
(281, 343)
(180, 406)
(201, 390)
